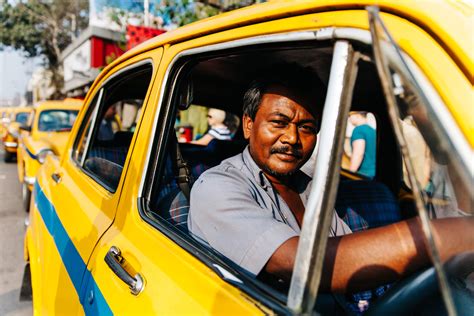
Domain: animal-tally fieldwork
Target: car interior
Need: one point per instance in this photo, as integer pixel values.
(112, 135)
(220, 82)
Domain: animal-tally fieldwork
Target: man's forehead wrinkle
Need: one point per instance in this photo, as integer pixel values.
(288, 106)
(278, 113)
(301, 121)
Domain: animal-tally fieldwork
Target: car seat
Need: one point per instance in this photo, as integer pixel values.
(366, 204)
(171, 202)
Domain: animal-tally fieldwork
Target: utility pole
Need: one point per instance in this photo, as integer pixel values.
(146, 18)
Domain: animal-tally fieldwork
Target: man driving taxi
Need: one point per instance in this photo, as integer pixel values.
(251, 206)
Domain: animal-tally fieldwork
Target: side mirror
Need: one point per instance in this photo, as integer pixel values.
(26, 128)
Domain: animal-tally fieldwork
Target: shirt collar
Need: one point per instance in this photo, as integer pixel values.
(255, 170)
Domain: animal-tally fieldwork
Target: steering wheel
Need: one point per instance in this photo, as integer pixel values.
(419, 294)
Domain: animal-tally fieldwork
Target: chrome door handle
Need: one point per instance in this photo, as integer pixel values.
(114, 260)
(56, 177)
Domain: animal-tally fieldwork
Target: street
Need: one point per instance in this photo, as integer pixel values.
(12, 218)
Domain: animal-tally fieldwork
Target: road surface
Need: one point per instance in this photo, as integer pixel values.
(12, 219)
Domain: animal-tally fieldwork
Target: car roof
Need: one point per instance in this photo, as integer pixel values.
(449, 22)
(69, 103)
(22, 109)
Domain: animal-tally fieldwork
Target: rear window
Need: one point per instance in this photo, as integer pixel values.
(56, 120)
(22, 118)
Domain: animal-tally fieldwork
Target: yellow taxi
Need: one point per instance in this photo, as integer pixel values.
(108, 229)
(3, 118)
(17, 117)
(46, 133)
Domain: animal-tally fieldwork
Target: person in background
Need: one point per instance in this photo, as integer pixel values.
(363, 142)
(108, 125)
(217, 128)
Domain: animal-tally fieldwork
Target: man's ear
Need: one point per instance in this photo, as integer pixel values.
(247, 125)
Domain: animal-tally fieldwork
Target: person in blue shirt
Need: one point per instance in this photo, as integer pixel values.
(363, 142)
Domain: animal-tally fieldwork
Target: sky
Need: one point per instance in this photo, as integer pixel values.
(15, 72)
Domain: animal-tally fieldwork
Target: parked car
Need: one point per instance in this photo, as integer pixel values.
(16, 118)
(100, 240)
(4, 119)
(46, 133)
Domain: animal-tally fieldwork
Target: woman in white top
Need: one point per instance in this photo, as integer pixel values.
(218, 130)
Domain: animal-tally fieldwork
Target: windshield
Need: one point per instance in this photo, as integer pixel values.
(22, 117)
(56, 120)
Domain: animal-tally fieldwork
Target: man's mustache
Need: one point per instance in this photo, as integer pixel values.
(289, 150)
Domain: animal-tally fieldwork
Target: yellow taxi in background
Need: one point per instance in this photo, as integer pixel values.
(47, 133)
(107, 228)
(4, 119)
(16, 118)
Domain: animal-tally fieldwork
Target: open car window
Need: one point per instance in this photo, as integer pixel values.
(218, 82)
(104, 139)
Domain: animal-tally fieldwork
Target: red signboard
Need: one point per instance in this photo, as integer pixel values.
(102, 49)
(139, 34)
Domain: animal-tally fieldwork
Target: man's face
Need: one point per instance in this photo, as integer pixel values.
(283, 134)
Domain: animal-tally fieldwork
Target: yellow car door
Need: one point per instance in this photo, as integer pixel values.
(76, 198)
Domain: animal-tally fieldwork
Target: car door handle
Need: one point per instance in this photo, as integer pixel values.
(114, 260)
(56, 176)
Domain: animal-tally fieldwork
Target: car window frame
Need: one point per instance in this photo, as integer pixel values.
(157, 140)
(389, 56)
(94, 110)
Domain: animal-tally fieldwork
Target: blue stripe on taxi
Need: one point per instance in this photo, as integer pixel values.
(92, 300)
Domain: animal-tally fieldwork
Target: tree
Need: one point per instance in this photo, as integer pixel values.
(43, 28)
(182, 12)
(164, 14)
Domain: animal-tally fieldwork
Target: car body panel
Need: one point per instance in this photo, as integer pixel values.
(94, 219)
(50, 252)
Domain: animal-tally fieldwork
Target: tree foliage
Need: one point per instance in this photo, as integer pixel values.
(164, 14)
(182, 12)
(43, 28)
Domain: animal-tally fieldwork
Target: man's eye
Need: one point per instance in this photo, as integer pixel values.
(279, 123)
(308, 129)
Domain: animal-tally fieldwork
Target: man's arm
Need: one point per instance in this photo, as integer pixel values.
(378, 256)
(358, 150)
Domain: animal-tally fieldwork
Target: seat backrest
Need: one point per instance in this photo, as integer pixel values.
(371, 200)
(178, 208)
(212, 154)
(114, 154)
(171, 203)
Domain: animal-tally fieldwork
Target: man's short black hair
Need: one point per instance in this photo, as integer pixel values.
(299, 80)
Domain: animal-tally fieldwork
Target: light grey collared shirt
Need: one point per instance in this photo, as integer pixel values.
(235, 209)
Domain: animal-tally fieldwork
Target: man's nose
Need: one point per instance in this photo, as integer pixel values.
(290, 135)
